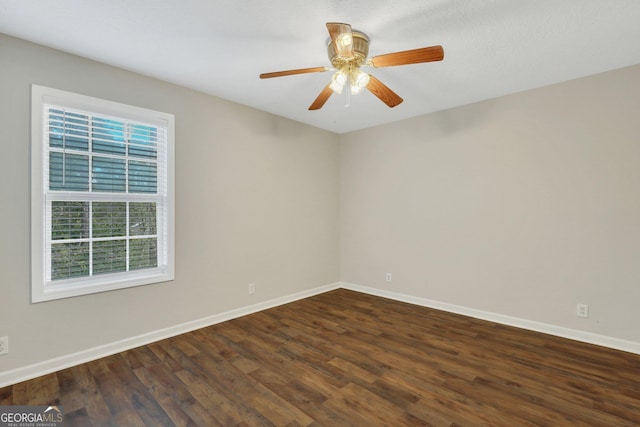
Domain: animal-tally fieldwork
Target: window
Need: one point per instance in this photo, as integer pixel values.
(102, 195)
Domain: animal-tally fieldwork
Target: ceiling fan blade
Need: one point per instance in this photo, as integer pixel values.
(385, 94)
(292, 72)
(322, 98)
(414, 56)
(342, 38)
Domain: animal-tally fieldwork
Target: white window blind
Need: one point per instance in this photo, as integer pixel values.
(102, 215)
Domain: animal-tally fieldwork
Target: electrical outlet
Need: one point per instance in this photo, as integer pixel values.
(582, 310)
(4, 345)
(252, 288)
(388, 278)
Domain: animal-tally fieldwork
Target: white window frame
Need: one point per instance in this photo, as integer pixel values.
(43, 289)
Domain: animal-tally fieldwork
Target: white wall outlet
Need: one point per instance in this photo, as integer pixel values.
(4, 345)
(582, 310)
(388, 278)
(252, 288)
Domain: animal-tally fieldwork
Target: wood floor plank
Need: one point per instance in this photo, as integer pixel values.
(138, 394)
(93, 401)
(170, 393)
(219, 408)
(77, 418)
(344, 358)
(372, 409)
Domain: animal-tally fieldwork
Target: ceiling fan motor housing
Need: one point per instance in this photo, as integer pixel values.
(360, 51)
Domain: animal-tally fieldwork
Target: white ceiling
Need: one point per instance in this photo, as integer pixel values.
(492, 47)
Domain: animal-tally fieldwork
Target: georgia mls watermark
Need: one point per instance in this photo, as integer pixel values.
(31, 416)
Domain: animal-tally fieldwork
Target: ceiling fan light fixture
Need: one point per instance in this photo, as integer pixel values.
(344, 40)
(338, 81)
(359, 80)
(355, 89)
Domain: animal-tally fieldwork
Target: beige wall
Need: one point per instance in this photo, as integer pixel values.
(256, 201)
(524, 205)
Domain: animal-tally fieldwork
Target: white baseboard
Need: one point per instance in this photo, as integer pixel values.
(32, 371)
(43, 368)
(573, 334)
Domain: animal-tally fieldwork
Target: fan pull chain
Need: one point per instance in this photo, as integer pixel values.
(348, 92)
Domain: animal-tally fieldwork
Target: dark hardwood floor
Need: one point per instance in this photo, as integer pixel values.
(345, 358)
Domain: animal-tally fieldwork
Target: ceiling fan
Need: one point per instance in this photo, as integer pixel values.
(348, 50)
